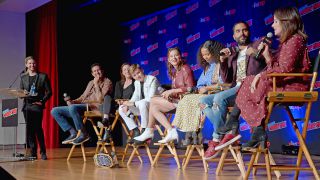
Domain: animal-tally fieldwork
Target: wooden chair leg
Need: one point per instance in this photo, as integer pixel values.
(125, 152)
(201, 153)
(254, 170)
(240, 164)
(173, 151)
(149, 153)
(115, 121)
(272, 162)
(138, 154)
(156, 158)
(221, 161)
(131, 156)
(267, 161)
(71, 151)
(83, 153)
(176, 157)
(301, 138)
(190, 149)
(186, 155)
(253, 157)
(306, 153)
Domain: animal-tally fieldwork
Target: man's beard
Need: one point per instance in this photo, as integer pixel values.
(243, 42)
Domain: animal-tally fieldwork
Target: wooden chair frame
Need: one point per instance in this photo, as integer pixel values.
(135, 147)
(88, 115)
(222, 160)
(290, 98)
(101, 146)
(170, 145)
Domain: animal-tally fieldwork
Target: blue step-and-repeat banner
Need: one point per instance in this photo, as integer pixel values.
(188, 25)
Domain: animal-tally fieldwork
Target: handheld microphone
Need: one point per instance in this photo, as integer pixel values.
(267, 40)
(234, 49)
(192, 89)
(66, 97)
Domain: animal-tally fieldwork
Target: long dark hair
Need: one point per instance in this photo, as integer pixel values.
(291, 23)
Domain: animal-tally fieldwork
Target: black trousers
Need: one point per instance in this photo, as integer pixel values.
(33, 115)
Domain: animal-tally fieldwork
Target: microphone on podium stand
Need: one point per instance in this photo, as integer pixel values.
(23, 72)
(266, 40)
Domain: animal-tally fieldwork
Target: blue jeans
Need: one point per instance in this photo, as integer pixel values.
(74, 111)
(217, 107)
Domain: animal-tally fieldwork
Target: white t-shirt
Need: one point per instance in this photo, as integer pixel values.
(241, 66)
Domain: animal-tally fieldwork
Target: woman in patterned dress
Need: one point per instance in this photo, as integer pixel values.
(292, 57)
(188, 114)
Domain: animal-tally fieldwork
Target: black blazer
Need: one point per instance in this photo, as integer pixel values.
(43, 88)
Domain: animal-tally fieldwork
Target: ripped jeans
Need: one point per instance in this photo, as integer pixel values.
(216, 108)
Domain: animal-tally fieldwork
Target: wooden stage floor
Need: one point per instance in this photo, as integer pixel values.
(57, 167)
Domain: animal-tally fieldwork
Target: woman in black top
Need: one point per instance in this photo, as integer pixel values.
(125, 87)
(123, 90)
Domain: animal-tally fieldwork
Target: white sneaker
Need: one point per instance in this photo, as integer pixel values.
(171, 136)
(147, 134)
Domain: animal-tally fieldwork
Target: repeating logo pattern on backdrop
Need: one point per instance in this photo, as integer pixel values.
(189, 24)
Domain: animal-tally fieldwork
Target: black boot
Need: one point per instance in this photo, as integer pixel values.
(136, 133)
(187, 139)
(105, 122)
(200, 136)
(107, 136)
(232, 123)
(258, 137)
(194, 138)
(142, 130)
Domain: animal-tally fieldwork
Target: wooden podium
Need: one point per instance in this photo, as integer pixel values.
(9, 119)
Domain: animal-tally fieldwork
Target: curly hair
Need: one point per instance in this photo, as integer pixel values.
(214, 47)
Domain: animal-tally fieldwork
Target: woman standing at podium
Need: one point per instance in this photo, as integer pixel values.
(38, 88)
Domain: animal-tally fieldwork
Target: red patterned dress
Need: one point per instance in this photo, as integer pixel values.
(292, 57)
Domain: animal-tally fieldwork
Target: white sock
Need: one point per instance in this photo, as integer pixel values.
(216, 140)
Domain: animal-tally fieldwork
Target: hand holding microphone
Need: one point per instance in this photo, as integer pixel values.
(67, 98)
(266, 41)
(226, 52)
(192, 90)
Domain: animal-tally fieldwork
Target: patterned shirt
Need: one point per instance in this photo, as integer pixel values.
(241, 66)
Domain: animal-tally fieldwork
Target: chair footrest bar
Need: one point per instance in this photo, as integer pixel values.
(283, 167)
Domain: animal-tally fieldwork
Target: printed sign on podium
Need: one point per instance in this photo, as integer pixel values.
(9, 112)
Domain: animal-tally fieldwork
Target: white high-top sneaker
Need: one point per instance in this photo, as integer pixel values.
(172, 135)
(147, 134)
